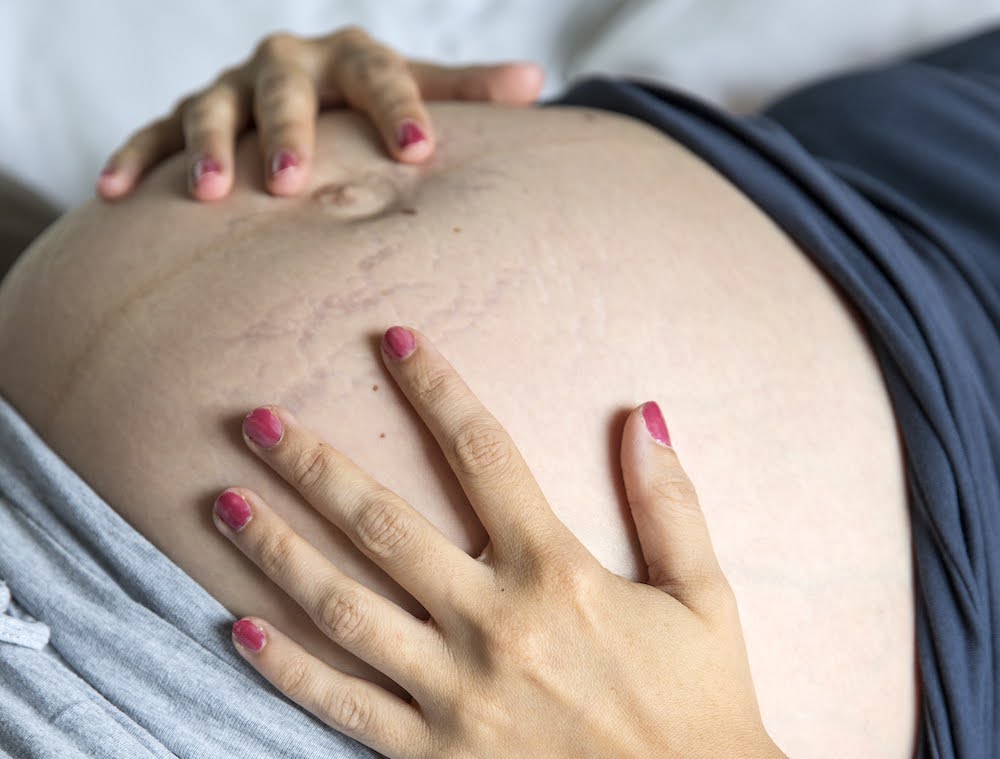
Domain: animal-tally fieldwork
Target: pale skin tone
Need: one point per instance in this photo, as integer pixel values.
(519, 634)
(535, 620)
(570, 263)
(281, 88)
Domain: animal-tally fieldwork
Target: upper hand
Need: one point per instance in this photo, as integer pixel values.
(532, 649)
(282, 86)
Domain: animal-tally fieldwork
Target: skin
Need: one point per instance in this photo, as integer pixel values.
(529, 244)
(281, 87)
(535, 619)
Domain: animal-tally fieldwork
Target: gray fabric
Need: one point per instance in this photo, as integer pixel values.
(139, 661)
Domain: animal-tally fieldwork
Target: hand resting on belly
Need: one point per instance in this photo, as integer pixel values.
(571, 264)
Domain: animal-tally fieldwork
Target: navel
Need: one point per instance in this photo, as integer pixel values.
(361, 198)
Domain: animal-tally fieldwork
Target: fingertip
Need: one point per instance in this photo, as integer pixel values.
(287, 173)
(399, 343)
(112, 184)
(655, 424)
(416, 153)
(413, 141)
(208, 179)
(288, 180)
(211, 187)
(517, 83)
(263, 426)
(527, 80)
(249, 635)
(233, 510)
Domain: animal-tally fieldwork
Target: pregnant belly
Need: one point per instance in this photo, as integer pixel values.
(572, 265)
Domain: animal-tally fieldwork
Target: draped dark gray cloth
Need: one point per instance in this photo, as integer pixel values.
(889, 179)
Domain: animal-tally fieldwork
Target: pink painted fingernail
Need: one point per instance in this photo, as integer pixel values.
(204, 165)
(248, 635)
(233, 509)
(410, 133)
(285, 159)
(655, 424)
(263, 427)
(399, 342)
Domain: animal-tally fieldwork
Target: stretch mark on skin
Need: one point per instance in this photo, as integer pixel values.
(113, 319)
(237, 232)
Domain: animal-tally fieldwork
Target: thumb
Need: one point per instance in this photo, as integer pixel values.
(668, 518)
(503, 83)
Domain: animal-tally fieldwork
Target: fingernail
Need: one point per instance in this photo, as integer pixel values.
(285, 159)
(108, 170)
(203, 166)
(248, 635)
(655, 424)
(233, 509)
(399, 342)
(263, 427)
(410, 133)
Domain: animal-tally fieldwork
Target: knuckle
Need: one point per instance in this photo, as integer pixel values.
(480, 448)
(230, 76)
(275, 552)
(199, 109)
(312, 467)
(382, 527)
(372, 66)
(517, 641)
(353, 34)
(380, 62)
(284, 132)
(277, 85)
(284, 96)
(561, 577)
(210, 101)
(349, 709)
(343, 616)
(674, 488)
(399, 100)
(295, 678)
(148, 136)
(432, 385)
(183, 106)
(277, 46)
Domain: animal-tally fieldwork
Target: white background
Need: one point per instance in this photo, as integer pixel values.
(77, 76)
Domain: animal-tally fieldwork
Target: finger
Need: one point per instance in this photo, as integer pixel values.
(141, 151)
(381, 524)
(376, 80)
(489, 466)
(668, 517)
(285, 106)
(354, 617)
(353, 706)
(504, 83)
(211, 122)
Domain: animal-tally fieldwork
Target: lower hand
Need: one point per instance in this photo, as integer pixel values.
(533, 648)
(282, 86)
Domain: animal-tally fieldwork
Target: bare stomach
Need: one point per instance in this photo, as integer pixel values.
(571, 264)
